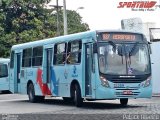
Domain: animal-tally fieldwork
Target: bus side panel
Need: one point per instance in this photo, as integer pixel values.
(4, 83)
(4, 80)
(23, 81)
(72, 72)
(12, 74)
(34, 75)
(155, 59)
(59, 81)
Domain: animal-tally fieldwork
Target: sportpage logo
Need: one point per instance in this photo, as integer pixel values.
(139, 5)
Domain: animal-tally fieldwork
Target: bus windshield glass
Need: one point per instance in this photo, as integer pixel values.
(3, 70)
(123, 59)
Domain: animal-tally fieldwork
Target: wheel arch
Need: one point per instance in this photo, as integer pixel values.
(28, 83)
(72, 85)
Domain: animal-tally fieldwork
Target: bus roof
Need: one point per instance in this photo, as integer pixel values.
(4, 60)
(119, 30)
(55, 40)
(87, 34)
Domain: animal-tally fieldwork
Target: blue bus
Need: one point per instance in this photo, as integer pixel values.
(4, 74)
(92, 65)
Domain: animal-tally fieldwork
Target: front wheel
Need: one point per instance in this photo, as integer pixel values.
(67, 99)
(31, 93)
(124, 101)
(77, 96)
(40, 98)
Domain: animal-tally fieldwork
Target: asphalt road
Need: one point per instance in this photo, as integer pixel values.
(17, 107)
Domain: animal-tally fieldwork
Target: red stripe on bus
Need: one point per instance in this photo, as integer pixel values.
(44, 87)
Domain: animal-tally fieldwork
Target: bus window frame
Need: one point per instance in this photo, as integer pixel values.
(23, 66)
(55, 51)
(6, 67)
(79, 52)
(12, 60)
(38, 56)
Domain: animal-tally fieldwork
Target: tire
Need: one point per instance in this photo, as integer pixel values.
(77, 96)
(124, 101)
(40, 98)
(6, 92)
(31, 93)
(67, 99)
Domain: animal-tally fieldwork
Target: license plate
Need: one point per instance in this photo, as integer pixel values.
(127, 92)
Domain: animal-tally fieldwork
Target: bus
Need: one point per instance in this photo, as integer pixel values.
(4, 73)
(154, 36)
(91, 65)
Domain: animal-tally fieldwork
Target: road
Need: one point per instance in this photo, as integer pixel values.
(14, 104)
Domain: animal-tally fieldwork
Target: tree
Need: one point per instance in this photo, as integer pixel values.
(24, 21)
(74, 21)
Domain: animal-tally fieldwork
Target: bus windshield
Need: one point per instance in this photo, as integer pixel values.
(3, 70)
(123, 59)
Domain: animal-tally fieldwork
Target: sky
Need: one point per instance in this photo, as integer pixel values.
(104, 14)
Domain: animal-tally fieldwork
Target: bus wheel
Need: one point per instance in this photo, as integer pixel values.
(40, 98)
(31, 93)
(124, 101)
(67, 99)
(77, 96)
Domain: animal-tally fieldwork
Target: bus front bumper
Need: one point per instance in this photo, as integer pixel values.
(112, 93)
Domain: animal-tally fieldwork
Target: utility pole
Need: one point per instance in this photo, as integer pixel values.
(58, 29)
(57, 9)
(65, 18)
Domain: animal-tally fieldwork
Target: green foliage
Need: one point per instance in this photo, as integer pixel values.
(75, 23)
(28, 20)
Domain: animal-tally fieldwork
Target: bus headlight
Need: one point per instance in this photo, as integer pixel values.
(147, 82)
(104, 81)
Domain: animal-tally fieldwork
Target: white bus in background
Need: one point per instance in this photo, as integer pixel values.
(155, 59)
(152, 34)
(4, 72)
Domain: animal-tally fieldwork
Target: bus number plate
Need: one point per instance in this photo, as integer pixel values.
(118, 85)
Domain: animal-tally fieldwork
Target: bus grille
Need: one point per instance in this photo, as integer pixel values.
(127, 80)
(119, 92)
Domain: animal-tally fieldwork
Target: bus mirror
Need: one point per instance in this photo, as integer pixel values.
(95, 48)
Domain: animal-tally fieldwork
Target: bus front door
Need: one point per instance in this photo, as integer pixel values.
(88, 70)
(49, 52)
(18, 72)
(14, 77)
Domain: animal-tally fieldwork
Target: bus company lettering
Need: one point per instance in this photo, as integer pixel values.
(137, 4)
(65, 74)
(74, 72)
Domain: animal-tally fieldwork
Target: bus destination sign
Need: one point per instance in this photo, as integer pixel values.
(120, 36)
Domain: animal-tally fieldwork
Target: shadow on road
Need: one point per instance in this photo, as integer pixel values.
(86, 104)
(5, 92)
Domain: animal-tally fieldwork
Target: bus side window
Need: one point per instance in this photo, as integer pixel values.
(37, 56)
(59, 53)
(3, 70)
(74, 52)
(27, 57)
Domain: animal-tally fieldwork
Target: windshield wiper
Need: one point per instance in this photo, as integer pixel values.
(113, 44)
(133, 49)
